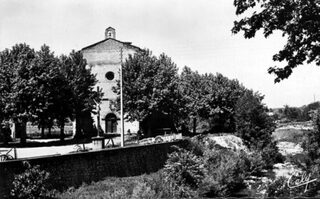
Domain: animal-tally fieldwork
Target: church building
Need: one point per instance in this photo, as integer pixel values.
(106, 57)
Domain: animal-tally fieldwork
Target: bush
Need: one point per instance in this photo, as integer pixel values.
(311, 144)
(253, 124)
(184, 172)
(144, 187)
(271, 155)
(278, 188)
(253, 163)
(143, 191)
(225, 173)
(30, 184)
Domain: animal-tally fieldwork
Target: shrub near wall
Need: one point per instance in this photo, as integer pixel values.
(74, 169)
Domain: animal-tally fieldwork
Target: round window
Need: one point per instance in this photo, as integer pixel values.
(110, 75)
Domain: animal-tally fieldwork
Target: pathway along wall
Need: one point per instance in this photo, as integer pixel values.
(76, 168)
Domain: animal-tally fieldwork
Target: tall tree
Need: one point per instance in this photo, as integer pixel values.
(43, 76)
(253, 124)
(210, 98)
(150, 85)
(221, 95)
(81, 83)
(191, 86)
(299, 22)
(18, 89)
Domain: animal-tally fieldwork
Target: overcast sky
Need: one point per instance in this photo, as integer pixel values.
(193, 33)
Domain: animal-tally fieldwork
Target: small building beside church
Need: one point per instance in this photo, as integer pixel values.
(105, 57)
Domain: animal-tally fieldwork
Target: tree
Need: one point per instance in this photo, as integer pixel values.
(255, 127)
(292, 113)
(6, 83)
(190, 87)
(298, 20)
(80, 82)
(150, 85)
(220, 99)
(43, 77)
(252, 122)
(210, 98)
(39, 87)
(16, 86)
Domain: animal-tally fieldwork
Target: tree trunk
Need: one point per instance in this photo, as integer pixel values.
(49, 132)
(21, 127)
(42, 131)
(62, 131)
(2, 132)
(194, 125)
(78, 133)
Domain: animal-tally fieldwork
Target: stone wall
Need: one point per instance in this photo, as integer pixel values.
(74, 169)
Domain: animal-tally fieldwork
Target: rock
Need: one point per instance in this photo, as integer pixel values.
(229, 141)
(289, 148)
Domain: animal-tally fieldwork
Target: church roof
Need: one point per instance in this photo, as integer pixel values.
(124, 43)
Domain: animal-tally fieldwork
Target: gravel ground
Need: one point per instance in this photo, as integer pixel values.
(50, 150)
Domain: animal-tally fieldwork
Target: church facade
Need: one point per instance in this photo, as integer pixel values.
(105, 57)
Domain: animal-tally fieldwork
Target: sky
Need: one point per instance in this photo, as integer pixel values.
(193, 33)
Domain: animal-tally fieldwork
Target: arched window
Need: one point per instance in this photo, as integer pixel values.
(111, 123)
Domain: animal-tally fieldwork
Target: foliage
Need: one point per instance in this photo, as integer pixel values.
(271, 155)
(221, 96)
(150, 85)
(311, 144)
(255, 127)
(40, 87)
(224, 170)
(191, 87)
(254, 163)
(299, 114)
(210, 97)
(143, 190)
(225, 173)
(144, 186)
(80, 86)
(253, 124)
(184, 171)
(278, 188)
(297, 20)
(30, 184)
(309, 109)
(16, 88)
(292, 113)
(285, 187)
(43, 77)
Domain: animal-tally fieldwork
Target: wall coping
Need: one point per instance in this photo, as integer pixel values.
(88, 152)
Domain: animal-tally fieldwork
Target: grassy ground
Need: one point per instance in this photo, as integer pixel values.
(33, 132)
(144, 186)
(290, 134)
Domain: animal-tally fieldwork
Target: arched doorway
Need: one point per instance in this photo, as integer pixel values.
(111, 123)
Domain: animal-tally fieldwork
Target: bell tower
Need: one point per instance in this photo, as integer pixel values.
(110, 33)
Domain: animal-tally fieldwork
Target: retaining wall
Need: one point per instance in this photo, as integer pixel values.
(74, 169)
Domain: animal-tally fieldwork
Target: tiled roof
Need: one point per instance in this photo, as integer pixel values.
(124, 43)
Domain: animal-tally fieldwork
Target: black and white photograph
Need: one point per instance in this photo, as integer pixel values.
(150, 99)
